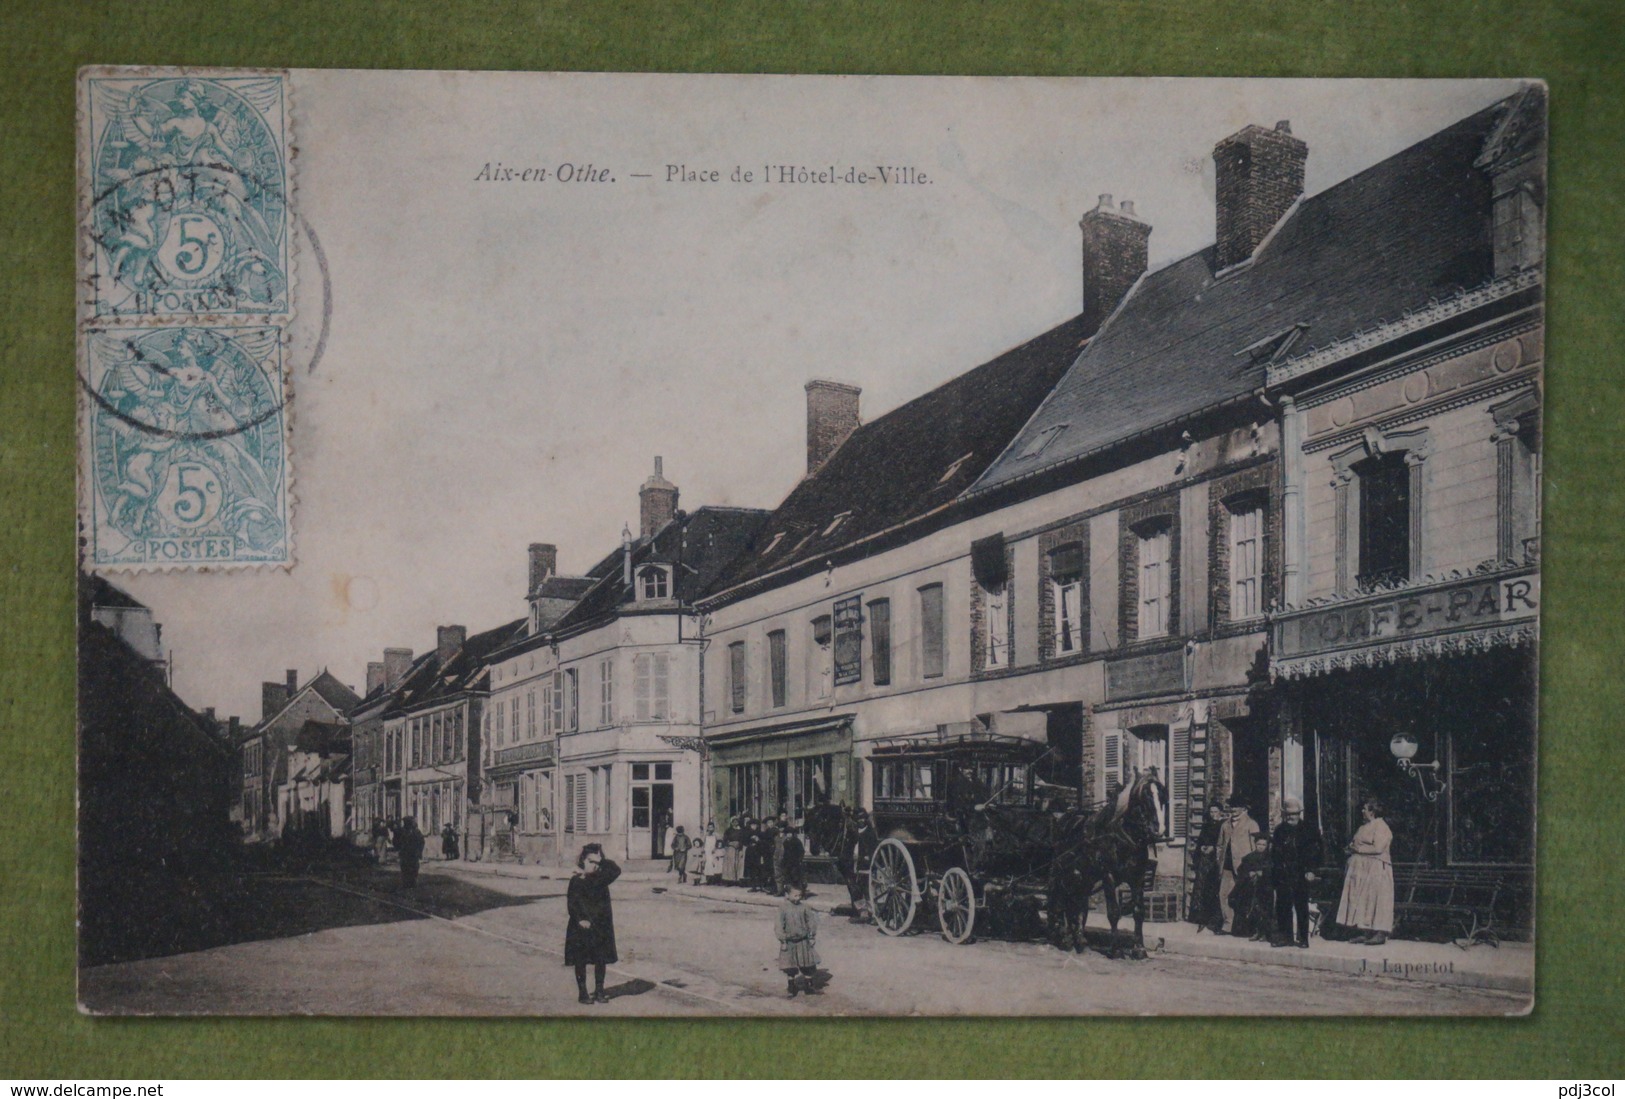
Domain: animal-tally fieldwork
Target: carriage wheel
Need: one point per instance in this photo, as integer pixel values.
(956, 905)
(894, 888)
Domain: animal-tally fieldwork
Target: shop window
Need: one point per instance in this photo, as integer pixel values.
(736, 677)
(1066, 569)
(933, 642)
(640, 806)
(1246, 559)
(1155, 569)
(880, 640)
(776, 667)
(1385, 519)
(651, 687)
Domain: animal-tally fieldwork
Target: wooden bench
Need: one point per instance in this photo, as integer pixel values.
(1463, 900)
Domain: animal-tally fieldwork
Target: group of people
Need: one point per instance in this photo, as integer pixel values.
(766, 856)
(1256, 884)
(403, 837)
(589, 936)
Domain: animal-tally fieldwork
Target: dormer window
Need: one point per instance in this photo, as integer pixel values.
(1042, 440)
(953, 468)
(654, 582)
(836, 523)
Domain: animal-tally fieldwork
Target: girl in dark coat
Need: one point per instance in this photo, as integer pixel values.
(590, 937)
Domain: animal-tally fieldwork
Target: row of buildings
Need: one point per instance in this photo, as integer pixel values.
(1266, 519)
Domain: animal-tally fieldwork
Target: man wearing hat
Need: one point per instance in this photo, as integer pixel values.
(1235, 844)
(1295, 856)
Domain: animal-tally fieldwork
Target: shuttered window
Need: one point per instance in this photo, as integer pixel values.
(650, 687)
(558, 702)
(933, 647)
(880, 640)
(1179, 784)
(736, 677)
(606, 692)
(776, 666)
(1066, 587)
(1111, 769)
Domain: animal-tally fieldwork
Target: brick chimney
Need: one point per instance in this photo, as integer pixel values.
(208, 715)
(1259, 175)
(375, 675)
(447, 640)
(273, 696)
(234, 728)
(1114, 257)
(832, 415)
(397, 662)
(657, 502)
(544, 562)
(292, 675)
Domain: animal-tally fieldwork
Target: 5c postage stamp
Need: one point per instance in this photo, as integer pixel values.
(186, 433)
(186, 182)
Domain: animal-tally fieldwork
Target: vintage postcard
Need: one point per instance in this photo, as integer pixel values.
(808, 545)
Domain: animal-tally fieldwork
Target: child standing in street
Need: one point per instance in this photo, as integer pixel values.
(798, 942)
(679, 855)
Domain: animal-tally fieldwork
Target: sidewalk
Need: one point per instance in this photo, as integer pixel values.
(1507, 968)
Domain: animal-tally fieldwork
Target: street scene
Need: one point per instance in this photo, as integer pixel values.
(1170, 649)
(489, 944)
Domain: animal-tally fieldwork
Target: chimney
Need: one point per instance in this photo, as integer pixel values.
(273, 696)
(447, 640)
(544, 562)
(293, 681)
(375, 675)
(657, 503)
(208, 715)
(832, 415)
(397, 662)
(626, 556)
(1259, 175)
(1114, 257)
(234, 728)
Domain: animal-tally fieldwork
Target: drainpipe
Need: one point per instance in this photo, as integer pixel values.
(1292, 530)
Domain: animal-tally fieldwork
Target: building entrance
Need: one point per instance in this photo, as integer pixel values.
(652, 800)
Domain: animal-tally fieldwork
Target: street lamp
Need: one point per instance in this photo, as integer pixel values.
(1404, 746)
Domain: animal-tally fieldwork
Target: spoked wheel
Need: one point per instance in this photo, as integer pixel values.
(956, 905)
(894, 888)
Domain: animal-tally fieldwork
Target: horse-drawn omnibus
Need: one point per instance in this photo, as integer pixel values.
(970, 837)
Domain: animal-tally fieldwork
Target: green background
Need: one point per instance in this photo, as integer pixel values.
(1576, 46)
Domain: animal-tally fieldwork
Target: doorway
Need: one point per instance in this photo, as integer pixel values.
(1250, 767)
(652, 801)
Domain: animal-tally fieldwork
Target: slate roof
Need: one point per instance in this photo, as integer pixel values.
(913, 460)
(1414, 227)
(334, 693)
(429, 682)
(698, 545)
(324, 737)
(102, 593)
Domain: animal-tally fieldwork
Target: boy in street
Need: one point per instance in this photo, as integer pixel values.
(798, 939)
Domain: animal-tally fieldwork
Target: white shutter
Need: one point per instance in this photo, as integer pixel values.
(641, 686)
(1179, 786)
(1112, 769)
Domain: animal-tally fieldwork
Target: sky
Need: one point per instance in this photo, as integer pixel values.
(505, 358)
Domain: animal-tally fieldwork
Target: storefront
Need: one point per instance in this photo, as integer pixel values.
(516, 820)
(1425, 699)
(765, 771)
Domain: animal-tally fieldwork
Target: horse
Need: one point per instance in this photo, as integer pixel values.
(1105, 849)
(849, 837)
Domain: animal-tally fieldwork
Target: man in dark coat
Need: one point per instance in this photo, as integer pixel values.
(590, 937)
(409, 844)
(448, 842)
(795, 872)
(1295, 855)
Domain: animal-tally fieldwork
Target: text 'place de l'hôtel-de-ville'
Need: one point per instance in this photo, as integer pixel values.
(1265, 519)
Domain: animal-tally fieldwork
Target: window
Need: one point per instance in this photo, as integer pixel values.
(880, 640)
(776, 667)
(736, 677)
(513, 710)
(536, 801)
(606, 692)
(1041, 441)
(848, 645)
(835, 523)
(650, 687)
(1385, 519)
(1246, 561)
(822, 672)
(558, 702)
(530, 714)
(1155, 569)
(773, 544)
(572, 701)
(417, 743)
(1066, 591)
(996, 632)
(575, 803)
(953, 468)
(933, 642)
(653, 583)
